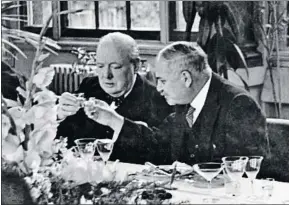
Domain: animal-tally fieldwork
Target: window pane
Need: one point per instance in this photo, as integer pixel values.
(181, 23)
(84, 19)
(38, 12)
(112, 15)
(145, 15)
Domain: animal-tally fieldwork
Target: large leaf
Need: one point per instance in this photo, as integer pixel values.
(44, 96)
(13, 46)
(5, 125)
(18, 114)
(216, 52)
(44, 77)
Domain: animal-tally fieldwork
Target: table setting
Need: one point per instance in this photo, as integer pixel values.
(85, 175)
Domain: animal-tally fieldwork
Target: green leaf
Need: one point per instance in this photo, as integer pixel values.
(44, 77)
(11, 103)
(70, 11)
(13, 46)
(5, 50)
(241, 57)
(241, 78)
(3, 10)
(22, 92)
(13, 19)
(43, 56)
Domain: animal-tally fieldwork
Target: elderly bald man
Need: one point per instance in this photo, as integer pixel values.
(121, 88)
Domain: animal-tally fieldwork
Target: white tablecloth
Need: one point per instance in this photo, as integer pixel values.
(187, 193)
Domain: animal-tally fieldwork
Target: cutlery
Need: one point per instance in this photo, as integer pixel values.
(157, 168)
(173, 175)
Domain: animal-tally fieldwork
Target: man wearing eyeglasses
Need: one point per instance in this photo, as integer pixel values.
(127, 95)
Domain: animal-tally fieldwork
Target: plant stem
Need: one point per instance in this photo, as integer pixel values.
(278, 63)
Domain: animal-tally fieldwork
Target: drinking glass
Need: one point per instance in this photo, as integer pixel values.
(86, 148)
(252, 169)
(209, 171)
(268, 188)
(234, 167)
(104, 148)
(80, 99)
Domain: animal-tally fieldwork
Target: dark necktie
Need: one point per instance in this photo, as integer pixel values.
(190, 116)
(118, 101)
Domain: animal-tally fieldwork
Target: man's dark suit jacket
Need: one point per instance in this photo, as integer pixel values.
(143, 103)
(230, 123)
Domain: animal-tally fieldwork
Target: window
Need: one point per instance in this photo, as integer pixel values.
(145, 20)
(178, 24)
(140, 19)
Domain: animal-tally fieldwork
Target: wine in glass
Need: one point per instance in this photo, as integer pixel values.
(104, 148)
(209, 171)
(252, 169)
(86, 148)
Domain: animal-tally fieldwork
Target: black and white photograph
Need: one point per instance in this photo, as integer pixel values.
(144, 102)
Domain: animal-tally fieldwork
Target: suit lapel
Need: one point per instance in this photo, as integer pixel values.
(201, 143)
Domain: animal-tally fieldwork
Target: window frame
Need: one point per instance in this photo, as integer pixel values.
(32, 29)
(165, 35)
(175, 35)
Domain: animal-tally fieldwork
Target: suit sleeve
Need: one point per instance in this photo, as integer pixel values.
(246, 127)
(246, 131)
(159, 109)
(150, 144)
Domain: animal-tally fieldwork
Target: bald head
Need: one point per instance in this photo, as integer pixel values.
(183, 55)
(125, 45)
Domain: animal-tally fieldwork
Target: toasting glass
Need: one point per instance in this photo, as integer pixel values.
(86, 148)
(252, 169)
(104, 148)
(235, 166)
(209, 171)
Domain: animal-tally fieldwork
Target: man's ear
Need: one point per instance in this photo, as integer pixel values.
(186, 77)
(136, 65)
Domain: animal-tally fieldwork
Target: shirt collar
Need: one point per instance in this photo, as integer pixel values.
(199, 101)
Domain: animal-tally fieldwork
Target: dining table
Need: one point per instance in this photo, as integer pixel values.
(185, 192)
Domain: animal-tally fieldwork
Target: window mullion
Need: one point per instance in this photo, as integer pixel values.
(164, 21)
(128, 16)
(96, 6)
(56, 29)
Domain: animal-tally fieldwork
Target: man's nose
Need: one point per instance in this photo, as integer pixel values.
(107, 73)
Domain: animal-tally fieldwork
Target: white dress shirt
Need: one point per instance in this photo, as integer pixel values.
(199, 101)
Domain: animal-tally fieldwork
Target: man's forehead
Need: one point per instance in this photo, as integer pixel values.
(107, 52)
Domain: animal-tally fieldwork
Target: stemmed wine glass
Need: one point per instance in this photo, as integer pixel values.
(252, 169)
(86, 148)
(209, 171)
(104, 148)
(235, 169)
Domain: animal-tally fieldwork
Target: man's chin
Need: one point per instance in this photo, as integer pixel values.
(170, 102)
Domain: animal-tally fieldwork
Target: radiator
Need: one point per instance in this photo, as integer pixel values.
(67, 78)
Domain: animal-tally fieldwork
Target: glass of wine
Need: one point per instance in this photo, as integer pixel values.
(209, 171)
(86, 148)
(252, 169)
(235, 169)
(104, 148)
